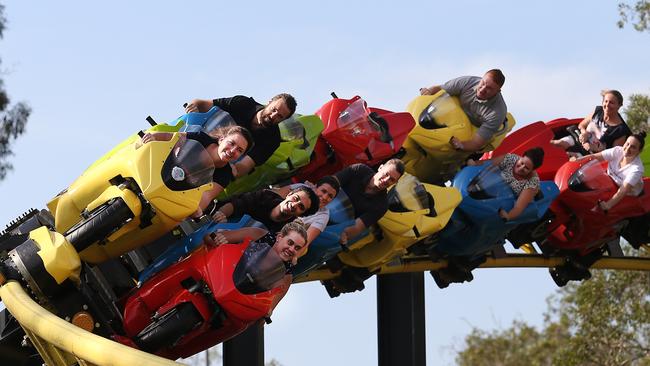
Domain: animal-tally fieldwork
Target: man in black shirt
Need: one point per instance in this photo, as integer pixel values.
(270, 208)
(262, 121)
(368, 192)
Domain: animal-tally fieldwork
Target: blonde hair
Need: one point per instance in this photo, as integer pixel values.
(296, 225)
(617, 94)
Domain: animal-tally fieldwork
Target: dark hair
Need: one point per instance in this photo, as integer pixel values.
(223, 132)
(331, 180)
(399, 165)
(536, 155)
(289, 100)
(617, 94)
(296, 225)
(313, 200)
(497, 76)
(640, 136)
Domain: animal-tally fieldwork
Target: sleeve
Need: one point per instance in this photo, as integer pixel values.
(370, 217)
(508, 161)
(262, 150)
(228, 104)
(223, 176)
(456, 86)
(532, 183)
(318, 220)
(245, 202)
(346, 174)
(633, 177)
(202, 137)
(611, 153)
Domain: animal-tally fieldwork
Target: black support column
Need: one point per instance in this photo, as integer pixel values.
(400, 320)
(247, 349)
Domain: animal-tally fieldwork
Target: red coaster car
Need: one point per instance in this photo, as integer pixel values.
(205, 299)
(578, 228)
(355, 133)
(539, 134)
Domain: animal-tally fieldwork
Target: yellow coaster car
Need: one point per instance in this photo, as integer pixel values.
(439, 117)
(143, 191)
(415, 211)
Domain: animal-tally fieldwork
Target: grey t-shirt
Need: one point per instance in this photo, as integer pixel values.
(488, 115)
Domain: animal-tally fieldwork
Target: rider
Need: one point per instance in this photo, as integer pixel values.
(288, 243)
(481, 101)
(224, 145)
(268, 207)
(602, 129)
(367, 191)
(624, 167)
(326, 189)
(519, 173)
(261, 120)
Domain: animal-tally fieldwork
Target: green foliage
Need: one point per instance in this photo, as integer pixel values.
(603, 321)
(638, 15)
(637, 113)
(12, 120)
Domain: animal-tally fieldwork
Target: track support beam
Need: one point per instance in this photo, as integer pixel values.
(247, 348)
(400, 320)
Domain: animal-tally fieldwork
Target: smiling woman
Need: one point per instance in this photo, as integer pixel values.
(224, 145)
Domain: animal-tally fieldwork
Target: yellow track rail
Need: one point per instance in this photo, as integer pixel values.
(61, 343)
(420, 264)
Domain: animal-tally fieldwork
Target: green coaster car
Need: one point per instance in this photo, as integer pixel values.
(299, 134)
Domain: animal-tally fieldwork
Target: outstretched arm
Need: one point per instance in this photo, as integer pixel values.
(430, 90)
(234, 236)
(525, 197)
(476, 143)
(616, 198)
(198, 105)
(352, 231)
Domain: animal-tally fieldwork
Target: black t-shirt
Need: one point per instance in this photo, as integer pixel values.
(258, 204)
(368, 207)
(243, 110)
(222, 176)
(612, 133)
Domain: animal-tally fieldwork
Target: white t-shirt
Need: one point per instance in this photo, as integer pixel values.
(318, 220)
(631, 174)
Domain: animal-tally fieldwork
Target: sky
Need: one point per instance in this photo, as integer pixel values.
(93, 71)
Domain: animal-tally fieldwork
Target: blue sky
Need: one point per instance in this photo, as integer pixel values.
(92, 73)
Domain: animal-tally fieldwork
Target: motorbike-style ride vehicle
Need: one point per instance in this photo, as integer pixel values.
(475, 229)
(354, 133)
(578, 229)
(299, 135)
(415, 211)
(326, 245)
(125, 201)
(429, 155)
(539, 134)
(209, 297)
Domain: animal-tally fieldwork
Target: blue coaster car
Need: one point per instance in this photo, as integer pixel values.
(186, 245)
(206, 122)
(475, 228)
(326, 246)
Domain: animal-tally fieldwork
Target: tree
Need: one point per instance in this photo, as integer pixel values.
(13, 119)
(637, 113)
(637, 14)
(603, 321)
